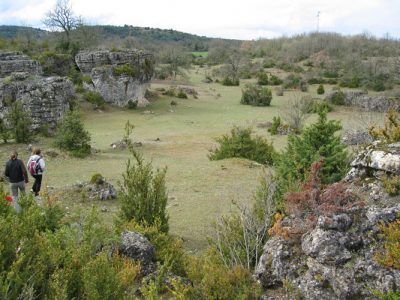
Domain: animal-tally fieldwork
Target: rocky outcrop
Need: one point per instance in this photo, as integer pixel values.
(11, 62)
(134, 245)
(365, 102)
(46, 99)
(335, 260)
(356, 137)
(376, 160)
(118, 86)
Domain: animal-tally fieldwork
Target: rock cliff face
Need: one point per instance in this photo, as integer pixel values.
(365, 102)
(11, 62)
(119, 77)
(46, 99)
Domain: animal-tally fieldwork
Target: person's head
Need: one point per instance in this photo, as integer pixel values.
(14, 155)
(36, 151)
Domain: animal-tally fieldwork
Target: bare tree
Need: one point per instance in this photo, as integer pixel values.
(62, 17)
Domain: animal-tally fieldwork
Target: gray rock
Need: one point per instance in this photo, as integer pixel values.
(46, 99)
(118, 89)
(134, 245)
(12, 62)
(356, 137)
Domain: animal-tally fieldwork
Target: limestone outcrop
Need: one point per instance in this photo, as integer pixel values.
(120, 77)
(11, 62)
(335, 260)
(46, 99)
(365, 102)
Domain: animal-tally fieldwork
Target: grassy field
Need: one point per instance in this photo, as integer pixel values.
(178, 137)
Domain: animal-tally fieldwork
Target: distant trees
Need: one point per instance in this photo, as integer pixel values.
(174, 61)
(62, 17)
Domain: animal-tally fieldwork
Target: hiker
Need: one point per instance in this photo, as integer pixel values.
(36, 167)
(17, 176)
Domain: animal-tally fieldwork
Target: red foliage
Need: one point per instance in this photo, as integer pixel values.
(316, 199)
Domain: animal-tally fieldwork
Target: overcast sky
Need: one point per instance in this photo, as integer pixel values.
(246, 19)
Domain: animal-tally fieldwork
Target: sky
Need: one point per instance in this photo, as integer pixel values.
(245, 19)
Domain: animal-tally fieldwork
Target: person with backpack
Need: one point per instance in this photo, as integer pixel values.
(17, 176)
(36, 167)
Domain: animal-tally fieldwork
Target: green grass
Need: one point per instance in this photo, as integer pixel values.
(200, 53)
(200, 189)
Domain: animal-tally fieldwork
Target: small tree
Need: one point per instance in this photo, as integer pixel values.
(256, 95)
(72, 135)
(143, 194)
(317, 142)
(320, 90)
(262, 78)
(19, 123)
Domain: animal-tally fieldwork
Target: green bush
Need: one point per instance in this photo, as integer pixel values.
(75, 75)
(56, 63)
(320, 90)
(143, 195)
(256, 95)
(19, 123)
(321, 106)
(316, 142)
(132, 104)
(125, 69)
(228, 81)
(181, 94)
(72, 135)
(262, 78)
(241, 144)
(94, 98)
(276, 123)
(315, 80)
(292, 81)
(275, 80)
(5, 131)
(392, 185)
(338, 98)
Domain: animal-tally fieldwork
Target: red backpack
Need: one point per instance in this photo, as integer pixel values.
(34, 166)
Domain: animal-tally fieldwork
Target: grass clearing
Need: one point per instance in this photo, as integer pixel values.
(178, 137)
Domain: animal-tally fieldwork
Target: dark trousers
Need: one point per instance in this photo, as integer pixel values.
(37, 184)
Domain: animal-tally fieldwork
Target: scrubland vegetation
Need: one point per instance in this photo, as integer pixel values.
(194, 177)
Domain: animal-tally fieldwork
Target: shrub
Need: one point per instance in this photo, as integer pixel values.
(181, 94)
(338, 98)
(95, 178)
(240, 144)
(276, 123)
(390, 133)
(227, 81)
(75, 75)
(316, 142)
(262, 78)
(292, 81)
(320, 90)
(303, 86)
(275, 80)
(316, 81)
(125, 69)
(392, 185)
(72, 135)
(213, 280)
(390, 255)
(94, 98)
(4, 130)
(321, 106)
(143, 195)
(171, 92)
(256, 95)
(19, 123)
(314, 199)
(132, 104)
(269, 64)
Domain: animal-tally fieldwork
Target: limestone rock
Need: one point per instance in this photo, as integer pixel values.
(336, 259)
(118, 89)
(137, 247)
(11, 62)
(356, 137)
(361, 100)
(46, 99)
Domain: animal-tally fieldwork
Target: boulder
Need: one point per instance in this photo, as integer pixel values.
(134, 245)
(115, 87)
(356, 137)
(46, 99)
